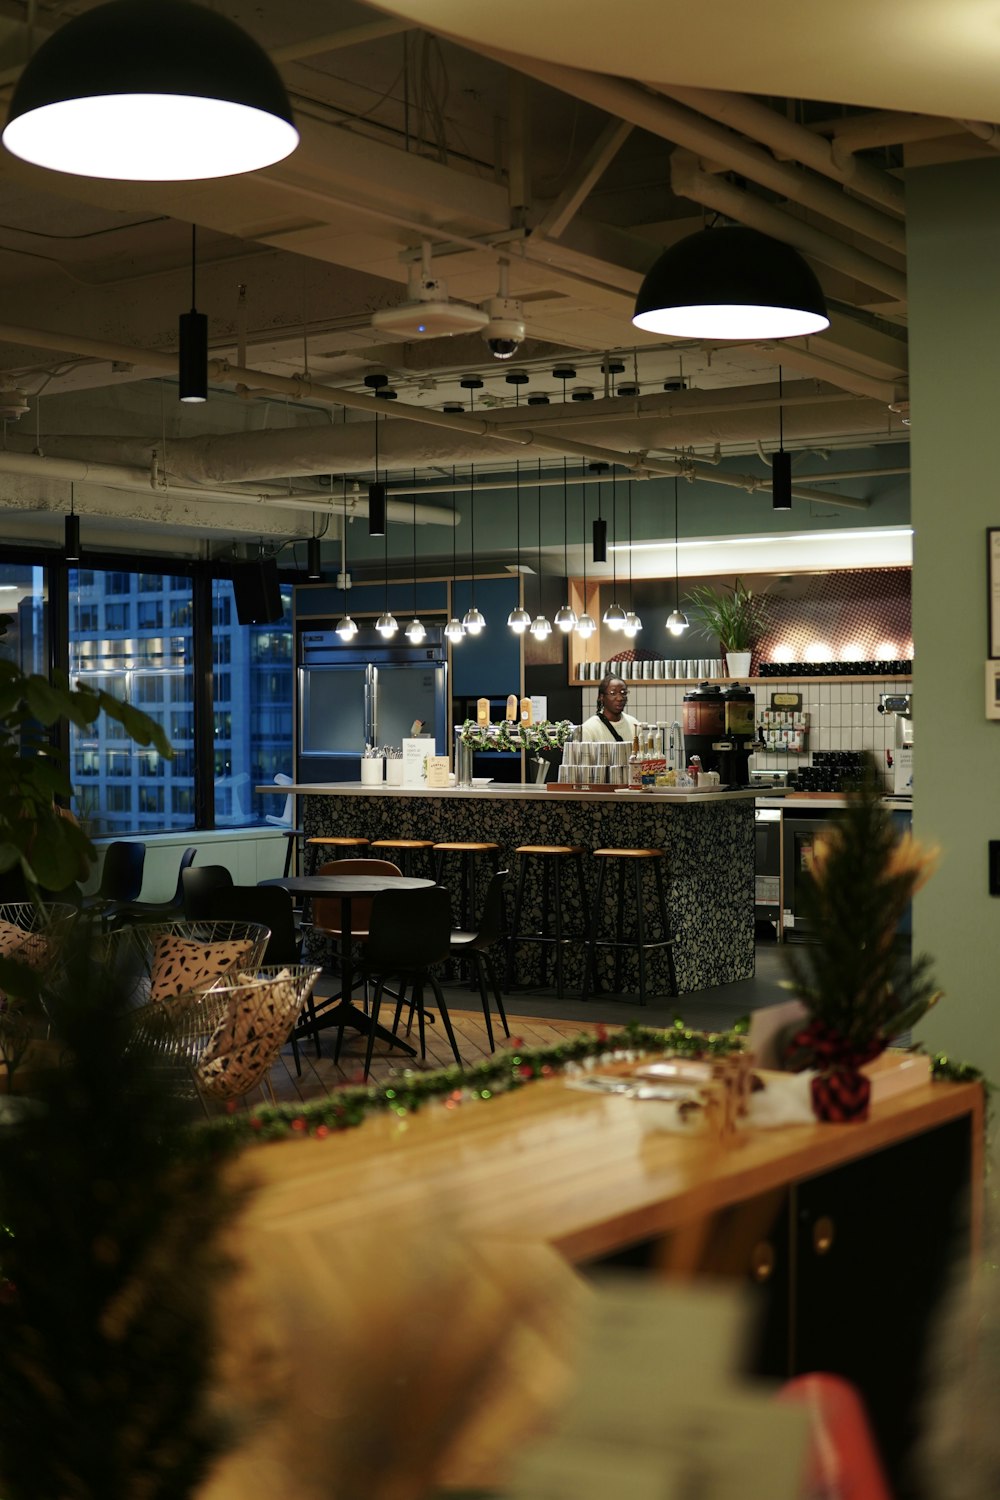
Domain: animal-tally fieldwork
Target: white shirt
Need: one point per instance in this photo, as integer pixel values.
(595, 729)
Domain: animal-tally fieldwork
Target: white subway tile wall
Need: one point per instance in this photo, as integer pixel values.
(843, 715)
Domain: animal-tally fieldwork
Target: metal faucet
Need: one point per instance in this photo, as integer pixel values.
(682, 762)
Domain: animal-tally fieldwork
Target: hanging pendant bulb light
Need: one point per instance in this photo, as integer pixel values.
(386, 624)
(566, 615)
(614, 615)
(162, 91)
(632, 624)
(345, 626)
(540, 627)
(781, 462)
(677, 620)
(473, 621)
(453, 630)
(192, 343)
(519, 620)
(586, 624)
(415, 631)
(730, 283)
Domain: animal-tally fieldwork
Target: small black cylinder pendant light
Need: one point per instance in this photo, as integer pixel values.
(71, 538)
(376, 497)
(192, 344)
(314, 559)
(781, 462)
(600, 531)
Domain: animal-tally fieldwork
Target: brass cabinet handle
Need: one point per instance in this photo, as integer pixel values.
(823, 1235)
(762, 1261)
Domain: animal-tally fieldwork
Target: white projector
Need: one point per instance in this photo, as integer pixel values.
(430, 315)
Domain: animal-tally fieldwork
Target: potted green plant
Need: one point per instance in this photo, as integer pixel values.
(736, 615)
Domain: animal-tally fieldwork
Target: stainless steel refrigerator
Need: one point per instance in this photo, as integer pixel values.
(365, 692)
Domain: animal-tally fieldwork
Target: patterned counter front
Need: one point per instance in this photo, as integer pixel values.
(710, 863)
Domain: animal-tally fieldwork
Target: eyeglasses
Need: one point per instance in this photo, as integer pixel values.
(616, 693)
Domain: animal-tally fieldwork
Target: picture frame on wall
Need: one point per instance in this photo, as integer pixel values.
(993, 591)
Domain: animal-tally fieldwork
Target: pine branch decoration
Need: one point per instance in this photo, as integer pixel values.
(857, 984)
(109, 1262)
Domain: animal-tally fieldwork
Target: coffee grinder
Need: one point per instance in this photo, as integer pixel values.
(732, 752)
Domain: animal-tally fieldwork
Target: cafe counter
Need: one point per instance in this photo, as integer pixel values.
(708, 839)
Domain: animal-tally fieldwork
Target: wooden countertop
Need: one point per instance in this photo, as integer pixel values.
(548, 1165)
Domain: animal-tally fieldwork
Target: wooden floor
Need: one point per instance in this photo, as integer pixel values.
(321, 1075)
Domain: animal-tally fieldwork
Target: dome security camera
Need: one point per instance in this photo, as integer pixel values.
(505, 331)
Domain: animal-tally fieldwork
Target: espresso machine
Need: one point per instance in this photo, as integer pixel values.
(733, 751)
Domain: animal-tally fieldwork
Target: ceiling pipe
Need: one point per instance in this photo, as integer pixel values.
(867, 132)
(988, 134)
(146, 481)
(687, 179)
(695, 133)
(799, 143)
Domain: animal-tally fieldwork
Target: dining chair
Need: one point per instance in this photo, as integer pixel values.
(409, 932)
(121, 880)
(198, 884)
(477, 945)
(159, 911)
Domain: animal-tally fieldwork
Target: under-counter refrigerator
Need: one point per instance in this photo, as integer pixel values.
(365, 692)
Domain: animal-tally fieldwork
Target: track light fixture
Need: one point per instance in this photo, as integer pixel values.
(162, 91)
(192, 343)
(731, 283)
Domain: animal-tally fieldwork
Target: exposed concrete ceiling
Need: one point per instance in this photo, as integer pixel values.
(576, 178)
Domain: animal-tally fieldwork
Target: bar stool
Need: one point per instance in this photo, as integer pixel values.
(342, 848)
(403, 852)
(468, 854)
(639, 860)
(552, 857)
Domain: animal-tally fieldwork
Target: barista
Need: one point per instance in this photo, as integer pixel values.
(611, 722)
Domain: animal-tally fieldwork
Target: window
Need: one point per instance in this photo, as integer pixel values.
(85, 617)
(118, 799)
(150, 614)
(150, 687)
(116, 617)
(151, 799)
(116, 583)
(181, 614)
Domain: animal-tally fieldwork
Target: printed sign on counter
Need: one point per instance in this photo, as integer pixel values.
(437, 770)
(415, 757)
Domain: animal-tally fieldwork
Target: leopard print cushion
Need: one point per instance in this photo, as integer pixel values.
(183, 966)
(249, 1037)
(29, 948)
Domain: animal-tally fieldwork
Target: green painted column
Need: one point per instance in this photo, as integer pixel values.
(953, 238)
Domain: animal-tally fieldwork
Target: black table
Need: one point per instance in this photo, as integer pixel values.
(339, 1010)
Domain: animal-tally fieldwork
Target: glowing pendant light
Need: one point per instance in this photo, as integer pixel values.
(157, 91)
(677, 620)
(519, 620)
(473, 622)
(540, 627)
(345, 626)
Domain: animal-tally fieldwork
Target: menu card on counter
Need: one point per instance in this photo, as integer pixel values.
(437, 770)
(416, 753)
(658, 1412)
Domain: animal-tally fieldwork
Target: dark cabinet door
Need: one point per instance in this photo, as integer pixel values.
(874, 1245)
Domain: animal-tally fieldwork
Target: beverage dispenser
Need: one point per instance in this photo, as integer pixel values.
(704, 716)
(734, 749)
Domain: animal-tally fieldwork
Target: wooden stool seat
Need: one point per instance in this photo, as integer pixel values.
(406, 849)
(467, 851)
(449, 847)
(629, 854)
(629, 904)
(324, 841)
(555, 849)
(549, 906)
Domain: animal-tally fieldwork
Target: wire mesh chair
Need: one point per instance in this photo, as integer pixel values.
(156, 962)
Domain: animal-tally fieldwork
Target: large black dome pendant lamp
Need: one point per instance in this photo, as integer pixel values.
(731, 283)
(150, 91)
(192, 343)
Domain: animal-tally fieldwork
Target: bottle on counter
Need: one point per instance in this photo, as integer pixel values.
(483, 711)
(635, 762)
(511, 707)
(526, 711)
